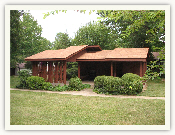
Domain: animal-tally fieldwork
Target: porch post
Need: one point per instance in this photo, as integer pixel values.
(50, 72)
(34, 68)
(60, 68)
(141, 69)
(79, 69)
(64, 72)
(56, 73)
(144, 68)
(111, 68)
(115, 69)
(44, 70)
(39, 69)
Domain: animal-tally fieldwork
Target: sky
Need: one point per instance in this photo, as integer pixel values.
(68, 22)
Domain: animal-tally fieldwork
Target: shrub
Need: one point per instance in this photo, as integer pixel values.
(72, 70)
(46, 86)
(104, 84)
(130, 77)
(84, 86)
(23, 75)
(132, 87)
(75, 83)
(116, 86)
(129, 84)
(100, 81)
(61, 88)
(132, 84)
(35, 82)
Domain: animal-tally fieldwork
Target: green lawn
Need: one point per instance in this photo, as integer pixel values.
(155, 88)
(39, 108)
(14, 81)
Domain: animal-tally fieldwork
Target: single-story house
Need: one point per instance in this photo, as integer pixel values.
(92, 62)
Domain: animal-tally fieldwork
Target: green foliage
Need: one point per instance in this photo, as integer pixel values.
(129, 84)
(132, 87)
(46, 86)
(25, 37)
(62, 41)
(35, 82)
(136, 28)
(132, 84)
(130, 77)
(107, 84)
(61, 88)
(72, 70)
(23, 75)
(31, 40)
(75, 83)
(84, 86)
(14, 36)
(156, 68)
(96, 34)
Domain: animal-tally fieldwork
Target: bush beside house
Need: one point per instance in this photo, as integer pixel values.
(129, 84)
(38, 83)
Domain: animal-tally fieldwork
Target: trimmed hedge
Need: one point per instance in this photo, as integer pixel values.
(129, 84)
(46, 86)
(75, 83)
(130, 77)
(35, 82)
(38, 83)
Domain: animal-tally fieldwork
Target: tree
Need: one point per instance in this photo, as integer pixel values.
(25, 37)
(14, 36)
(62, 41)
(96, 34)
(139, 28)
(136, 28)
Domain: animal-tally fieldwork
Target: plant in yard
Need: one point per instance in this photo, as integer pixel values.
(61, 88)
(46, 86)
(132, 84)
(132, 87)
(35, 82)
(84, 86)
(23, 75)
(75, 83)
(129, 84)
(130, 77)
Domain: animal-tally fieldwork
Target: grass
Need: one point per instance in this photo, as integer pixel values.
(39, 108)
(155, 88)
(14, 81)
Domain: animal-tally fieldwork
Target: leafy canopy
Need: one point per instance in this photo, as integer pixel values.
(95, 34)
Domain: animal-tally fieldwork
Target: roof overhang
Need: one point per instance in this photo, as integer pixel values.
(120, 60)
(45, 59)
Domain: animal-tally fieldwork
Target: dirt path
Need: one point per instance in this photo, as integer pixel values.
(89, 92)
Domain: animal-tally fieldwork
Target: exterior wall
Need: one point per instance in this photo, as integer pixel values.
(89, 70)
(131, 67)
(73, 58)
